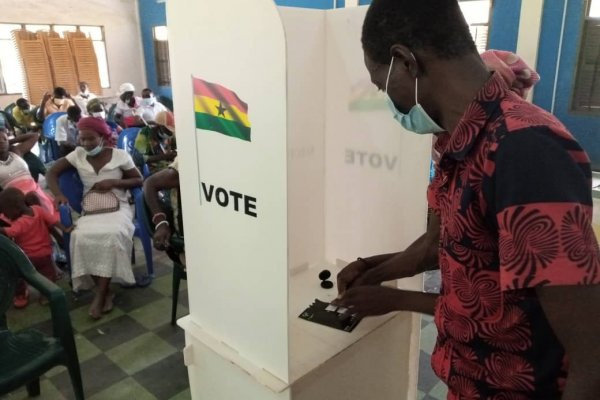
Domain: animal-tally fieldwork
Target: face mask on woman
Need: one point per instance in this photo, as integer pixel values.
(99, 114)
(96, 150)
(59, 102)
(148, 101)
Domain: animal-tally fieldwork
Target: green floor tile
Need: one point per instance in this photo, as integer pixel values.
(135, 355)
(157, 313)
(85, 348)
(439, 391)
(126, 389)
(185, 395)
(81, 320)
(420, 395)
(163, 284)
(428, 338)
(55, 371)
(47, 392)
(31, 315)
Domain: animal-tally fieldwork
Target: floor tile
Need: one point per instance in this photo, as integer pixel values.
(130, 299)
(81, 320)
(157, 313)
(85, 348)
(165, 378)
(173, 335)
(428, 338)
(127, 389)
(163, 284)
(47, 392)
(185, 395)
(97, 374)
(183, 296)
(427, 379)
(114, 332)
(140, 352)
(439, 391)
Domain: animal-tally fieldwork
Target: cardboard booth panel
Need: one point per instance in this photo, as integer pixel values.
(304, 33)
(377, 172)
(236, 261)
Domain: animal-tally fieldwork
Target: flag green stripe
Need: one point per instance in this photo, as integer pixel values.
(224, 126)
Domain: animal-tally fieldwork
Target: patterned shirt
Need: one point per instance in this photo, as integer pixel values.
(513, 192)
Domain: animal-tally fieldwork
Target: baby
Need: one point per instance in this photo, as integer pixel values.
(29, 228)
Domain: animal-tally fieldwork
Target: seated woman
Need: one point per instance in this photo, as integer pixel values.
(155, 144)
(14, 171)
(101, 244)
(167, 219)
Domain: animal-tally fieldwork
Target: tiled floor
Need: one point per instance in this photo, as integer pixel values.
(131, 353)
(134, 353)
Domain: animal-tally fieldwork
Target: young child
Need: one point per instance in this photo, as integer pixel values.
(29, 228)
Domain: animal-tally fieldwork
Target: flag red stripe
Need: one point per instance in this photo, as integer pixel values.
(219, 93)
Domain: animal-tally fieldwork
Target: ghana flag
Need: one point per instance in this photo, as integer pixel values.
(220, 109)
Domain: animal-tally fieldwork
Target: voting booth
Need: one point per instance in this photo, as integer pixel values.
(290, 164)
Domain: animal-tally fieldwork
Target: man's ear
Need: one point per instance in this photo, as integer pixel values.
(405, 59)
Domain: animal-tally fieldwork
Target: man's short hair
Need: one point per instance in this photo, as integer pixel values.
(437, 26)
(73, 113)
(22, 102)
(60, 92)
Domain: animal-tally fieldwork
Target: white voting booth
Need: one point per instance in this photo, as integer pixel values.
(326, 176)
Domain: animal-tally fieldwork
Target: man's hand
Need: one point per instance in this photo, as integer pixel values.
(349, 274)
(170, 155)
(104, 185)
(367, 301)
(60, 200)
(46, 97)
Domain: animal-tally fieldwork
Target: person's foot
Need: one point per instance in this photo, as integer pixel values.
(109, 303)
(21, 300)
(96, 306)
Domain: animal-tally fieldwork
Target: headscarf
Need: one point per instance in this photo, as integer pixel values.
(99, 126)
(515, 72)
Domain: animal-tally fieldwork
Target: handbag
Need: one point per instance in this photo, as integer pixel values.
(96, 202)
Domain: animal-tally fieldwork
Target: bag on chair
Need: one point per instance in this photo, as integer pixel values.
(95, 202)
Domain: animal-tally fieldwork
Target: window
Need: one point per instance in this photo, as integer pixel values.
(11, 74)
(586, 95)
(477, 14)
(161, 55)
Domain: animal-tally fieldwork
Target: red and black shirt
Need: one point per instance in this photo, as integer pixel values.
(513, 191)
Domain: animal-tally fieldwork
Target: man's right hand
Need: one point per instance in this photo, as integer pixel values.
(351, 272)
(60, 199)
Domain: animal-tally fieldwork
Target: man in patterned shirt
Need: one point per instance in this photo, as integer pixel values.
(518, 314)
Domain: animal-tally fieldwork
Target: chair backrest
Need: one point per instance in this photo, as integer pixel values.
(72, 187)
(8, 277)
(49, 127)
(126, 139)
(9, 108)
(111, 113)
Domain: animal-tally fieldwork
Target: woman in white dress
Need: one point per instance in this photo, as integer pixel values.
(100, 243)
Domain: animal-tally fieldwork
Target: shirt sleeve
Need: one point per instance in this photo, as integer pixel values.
(541, 197)
(15, 229)
(51, 219)
(126, 161)
(74, 157)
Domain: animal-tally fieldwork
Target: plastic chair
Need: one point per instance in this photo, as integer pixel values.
(27, 354)
(126, 141)
(110, 116)
(51, 149)
(72, 187)
(176, 242)
(9, 108)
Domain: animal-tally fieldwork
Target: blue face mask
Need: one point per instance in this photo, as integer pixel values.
(417, 120)
(95, 151)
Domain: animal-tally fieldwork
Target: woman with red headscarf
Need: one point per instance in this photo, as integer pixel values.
(100, 243)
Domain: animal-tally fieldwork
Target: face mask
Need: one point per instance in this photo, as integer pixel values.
(417, 120)
(99, 114)
(95, 151)
(59, 102)
(148, 102)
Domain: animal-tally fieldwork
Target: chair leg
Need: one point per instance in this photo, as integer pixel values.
(75, 375)
(33, 388)
(176, 281)
(147, 245)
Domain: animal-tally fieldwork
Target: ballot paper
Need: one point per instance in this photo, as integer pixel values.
(330, 315)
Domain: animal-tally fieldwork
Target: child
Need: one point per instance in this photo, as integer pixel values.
(29, 228)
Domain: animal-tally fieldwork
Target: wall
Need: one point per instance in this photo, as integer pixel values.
(152, 14)
(120, 21)
(557, 65)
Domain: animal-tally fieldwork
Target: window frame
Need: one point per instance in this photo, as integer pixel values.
(158, 63)
(51, 28)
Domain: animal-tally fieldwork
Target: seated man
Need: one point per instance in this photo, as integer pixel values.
(23, 115)
(66, 130)
(125, 112)
(166, 218)
(150, 106)
(59, 101)
(83, 97)
(155, 144)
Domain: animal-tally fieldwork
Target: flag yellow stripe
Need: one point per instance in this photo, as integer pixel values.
(210, 106)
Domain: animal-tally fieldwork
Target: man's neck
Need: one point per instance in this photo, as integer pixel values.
(462, 79)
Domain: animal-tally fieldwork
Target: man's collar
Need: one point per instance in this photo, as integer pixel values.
(477, 114)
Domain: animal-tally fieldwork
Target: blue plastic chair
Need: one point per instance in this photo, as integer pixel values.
(50, 148)
(72, 187)
(126, 141)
